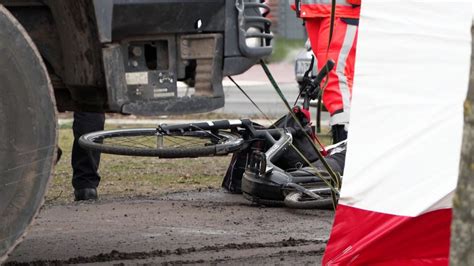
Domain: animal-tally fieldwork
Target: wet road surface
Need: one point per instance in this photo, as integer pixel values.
(197, 227)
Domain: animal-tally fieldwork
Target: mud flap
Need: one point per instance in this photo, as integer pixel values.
(28, 132)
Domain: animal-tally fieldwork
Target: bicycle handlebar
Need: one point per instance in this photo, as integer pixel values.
(205, 125)
(324, 71)
(313, 86)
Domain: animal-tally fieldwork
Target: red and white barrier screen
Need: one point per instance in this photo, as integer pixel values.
(411, 78)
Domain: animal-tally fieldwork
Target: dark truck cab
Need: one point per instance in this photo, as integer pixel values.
(123, 56)
(127, 56)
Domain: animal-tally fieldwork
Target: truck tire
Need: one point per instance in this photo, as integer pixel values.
(28, 131)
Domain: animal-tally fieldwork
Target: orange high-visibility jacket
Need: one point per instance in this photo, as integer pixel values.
(322, 8)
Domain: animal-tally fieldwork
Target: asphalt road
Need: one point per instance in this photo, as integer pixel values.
(265, 97)
(198, 227)
(256, 84)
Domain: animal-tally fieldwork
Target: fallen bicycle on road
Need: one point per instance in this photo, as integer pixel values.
(281, 163)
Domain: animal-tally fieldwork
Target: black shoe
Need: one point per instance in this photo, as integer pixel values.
(85, 194)
(339, 133)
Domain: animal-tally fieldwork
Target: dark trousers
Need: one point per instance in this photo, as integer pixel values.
(85, 163)
(336, 161)
(338, 133)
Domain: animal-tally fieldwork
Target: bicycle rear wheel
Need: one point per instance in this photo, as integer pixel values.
(151, 142)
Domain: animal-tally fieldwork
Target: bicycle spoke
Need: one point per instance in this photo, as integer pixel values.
(167, 141)
(150, 142)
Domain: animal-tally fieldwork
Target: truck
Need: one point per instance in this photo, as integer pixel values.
(119, 56)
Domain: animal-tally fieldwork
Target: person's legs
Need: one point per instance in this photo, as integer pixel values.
(339, 133)
(338, 91)
(312, 28)
(85, 163)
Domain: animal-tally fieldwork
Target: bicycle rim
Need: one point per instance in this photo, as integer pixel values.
(150, 142)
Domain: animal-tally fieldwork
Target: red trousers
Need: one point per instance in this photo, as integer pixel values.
(342, 49)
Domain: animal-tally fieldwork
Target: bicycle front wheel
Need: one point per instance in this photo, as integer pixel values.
(151, 142)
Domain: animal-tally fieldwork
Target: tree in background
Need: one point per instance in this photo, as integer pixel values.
(462, 228)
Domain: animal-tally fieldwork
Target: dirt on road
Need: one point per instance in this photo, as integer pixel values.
(194, 227)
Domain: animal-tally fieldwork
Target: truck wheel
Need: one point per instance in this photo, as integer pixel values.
(27, 132)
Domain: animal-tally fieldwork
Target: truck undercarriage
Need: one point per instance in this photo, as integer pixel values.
(127, 56)
(144, 57)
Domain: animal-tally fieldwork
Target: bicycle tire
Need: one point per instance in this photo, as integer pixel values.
(293, 201)
(264, 202)
(213, 143)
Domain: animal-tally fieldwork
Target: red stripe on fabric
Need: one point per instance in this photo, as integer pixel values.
(322, 11)
(361, 237)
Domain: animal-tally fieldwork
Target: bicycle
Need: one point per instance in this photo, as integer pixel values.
(264, 181)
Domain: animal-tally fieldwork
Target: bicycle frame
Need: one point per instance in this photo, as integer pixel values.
(266, 176)
(265, 183)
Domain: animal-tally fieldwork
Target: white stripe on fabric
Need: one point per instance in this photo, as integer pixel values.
(325, 2)
(339, 119)
(234, 122)
(341, 66)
